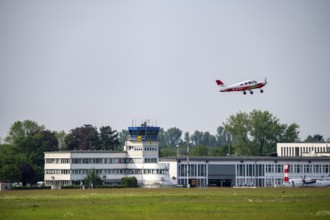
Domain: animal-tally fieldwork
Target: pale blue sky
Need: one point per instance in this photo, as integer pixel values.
(68, 63)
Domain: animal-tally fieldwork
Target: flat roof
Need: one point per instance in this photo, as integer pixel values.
(86, 151)
(245, 158)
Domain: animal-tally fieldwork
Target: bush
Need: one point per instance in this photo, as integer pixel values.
(71, 187)
(30, 187)
(129, 182)
(109, 187)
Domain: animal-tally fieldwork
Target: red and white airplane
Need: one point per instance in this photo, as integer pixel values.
(242, 86)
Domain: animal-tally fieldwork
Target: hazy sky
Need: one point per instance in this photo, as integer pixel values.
(68, 63)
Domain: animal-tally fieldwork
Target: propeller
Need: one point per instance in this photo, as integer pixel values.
(303, 179)
(266, 80)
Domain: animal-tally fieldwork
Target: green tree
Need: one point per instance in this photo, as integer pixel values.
(220, 136)
(122, 137)
(258, 132)
(28, 174)
(60, 136)
(83, 138)
(28, 142)
(108, 138)
(22, 129)
(186, 139)
(220, 151)
(162, 138)
(315, 138)
(167, 152)
(199, 151)
(10, 161)
(92, 179)
(173, 136)
(197, 138)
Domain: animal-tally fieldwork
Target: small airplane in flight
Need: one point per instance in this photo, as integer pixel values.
(308, 182)
(242, 86)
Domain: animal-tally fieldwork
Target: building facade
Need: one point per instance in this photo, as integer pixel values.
(139, 159)
(303, 149)
(237, 171)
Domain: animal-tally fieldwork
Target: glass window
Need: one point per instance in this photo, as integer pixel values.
(269, 168)
(307, 168)
(297, 168)
(317, 168)
(250, 169)
(241, 170)
(278, 168)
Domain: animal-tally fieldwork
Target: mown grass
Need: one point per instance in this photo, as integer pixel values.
(177, 204)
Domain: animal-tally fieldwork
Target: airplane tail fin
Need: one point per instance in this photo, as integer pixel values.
(220, 83)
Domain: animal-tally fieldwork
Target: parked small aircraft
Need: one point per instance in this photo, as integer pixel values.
(242, 86)
(308, 182)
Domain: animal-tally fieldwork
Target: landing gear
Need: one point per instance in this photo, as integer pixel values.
(244, 93)
(261, 90)
(251, 92)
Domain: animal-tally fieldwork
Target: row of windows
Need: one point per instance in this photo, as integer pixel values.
(194, 170)
(257, 169)
(134, 160)
(138, 148)
(254, 169)
(309, 168)
(261, 169)
(131, 148)
(106, 171)
(250, 82)
(58, 183)
(99, 160)
(57, 160)
(197, 182)
(294, 151)
(259, 182)
(150, 160)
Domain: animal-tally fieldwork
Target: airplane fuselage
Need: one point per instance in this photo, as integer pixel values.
(308, 183)
(242, 86)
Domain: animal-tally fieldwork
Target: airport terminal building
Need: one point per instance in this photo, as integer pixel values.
(140, 158)
(235, 171)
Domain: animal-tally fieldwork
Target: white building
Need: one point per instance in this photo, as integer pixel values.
(139, 159)
(244, 171)
(303, 149)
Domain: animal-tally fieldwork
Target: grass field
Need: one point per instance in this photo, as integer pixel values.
(177, 204)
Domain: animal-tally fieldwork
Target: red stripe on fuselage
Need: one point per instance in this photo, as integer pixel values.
(243, 88)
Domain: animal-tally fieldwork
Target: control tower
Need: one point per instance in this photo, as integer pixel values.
(142, 148)
(142, 143)
(143, 133)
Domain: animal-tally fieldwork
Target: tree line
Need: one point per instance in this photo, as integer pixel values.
(245, 134)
